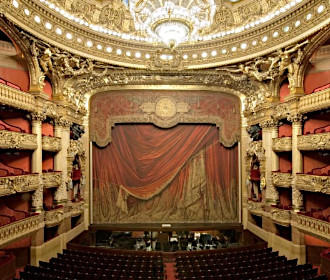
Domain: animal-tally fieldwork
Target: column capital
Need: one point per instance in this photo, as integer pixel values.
(295, 118)
(269, 123)
(37, 116)
(60, 121)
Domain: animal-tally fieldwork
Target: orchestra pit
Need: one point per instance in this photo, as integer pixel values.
(165, 139)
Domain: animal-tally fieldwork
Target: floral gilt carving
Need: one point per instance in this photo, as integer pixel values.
(21, 183)
(54, 217)
(52, 179)
(283, 144)
(52, 144)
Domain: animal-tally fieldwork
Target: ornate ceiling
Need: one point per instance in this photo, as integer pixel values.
(105, 30)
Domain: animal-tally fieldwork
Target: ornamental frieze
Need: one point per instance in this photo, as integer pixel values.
(18, 229)
(51, 144)
(312, 142)
(17, 140)
(6, 186)
(51, 179)
(315, 101)
(313, 183)
(256, 208)
(282, 179)
(312, 226)
(283, 144)
(54, 217)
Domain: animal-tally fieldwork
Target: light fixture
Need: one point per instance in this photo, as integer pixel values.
(172, 22)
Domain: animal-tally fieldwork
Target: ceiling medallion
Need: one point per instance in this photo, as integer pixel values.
(172, 22)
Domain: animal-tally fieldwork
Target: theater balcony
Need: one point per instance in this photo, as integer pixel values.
(51, 144)
(20, 228)
(282, 144)
(54, 217)
(312, 226)
(18, 184)
(256, 208)
(52, 179)
(281, 179)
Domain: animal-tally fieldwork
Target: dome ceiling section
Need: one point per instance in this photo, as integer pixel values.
(81, 31)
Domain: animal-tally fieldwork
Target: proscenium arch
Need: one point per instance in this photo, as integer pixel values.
(165, 88)
(317, 41)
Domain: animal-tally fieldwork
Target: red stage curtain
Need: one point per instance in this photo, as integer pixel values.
(146, 163)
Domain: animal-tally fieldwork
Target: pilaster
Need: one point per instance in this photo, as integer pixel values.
(62, 130)
(269, 129)
(297, 162)
(37, 197)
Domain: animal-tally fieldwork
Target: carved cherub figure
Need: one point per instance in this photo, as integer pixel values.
(45, 61)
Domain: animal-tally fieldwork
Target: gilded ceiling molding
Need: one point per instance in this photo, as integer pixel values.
(280, 31)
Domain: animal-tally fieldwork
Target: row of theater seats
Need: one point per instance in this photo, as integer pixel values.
(320, 171)
(243, 265)
(7, 170)
(6, 126)
(85, 265)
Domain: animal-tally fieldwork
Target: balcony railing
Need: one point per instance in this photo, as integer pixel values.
(313, 183)
(312, 226)
(256, 208)
(312, 142)
(283, 144)
(76, 208)
(19, 183)
(52, 179)
(17, 140)
(54, 217)
(315, 101)
(16, 98)
(20, 228)
(281, 179)
(281, 216)
(51, 144)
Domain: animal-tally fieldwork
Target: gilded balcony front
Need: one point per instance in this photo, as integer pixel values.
(17, 140)
(313, 183)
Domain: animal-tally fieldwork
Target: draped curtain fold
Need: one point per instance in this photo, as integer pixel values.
(154, 174)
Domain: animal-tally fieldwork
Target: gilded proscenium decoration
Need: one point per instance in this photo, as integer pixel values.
(312, 226)
(21, 228)
(313, 183)
(54, 217)
(281, 179)
(51, 144)
(52, 179)
(164, 109)
(283, 144)
(312, 142)
(17, 140)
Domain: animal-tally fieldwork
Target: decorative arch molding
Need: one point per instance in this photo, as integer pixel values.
(31, 62)
(318, 40)
(165, 109)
